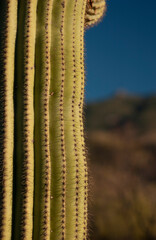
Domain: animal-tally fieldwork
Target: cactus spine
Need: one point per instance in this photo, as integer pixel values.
(44, 196)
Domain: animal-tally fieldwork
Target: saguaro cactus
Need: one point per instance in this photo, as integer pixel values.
(43, 167)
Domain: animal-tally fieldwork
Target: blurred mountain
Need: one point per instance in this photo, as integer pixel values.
(121, 143)
(122, 111)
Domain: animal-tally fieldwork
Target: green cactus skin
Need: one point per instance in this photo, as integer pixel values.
(42, 152)
(69, 201)
(8, 23)
(41, 103)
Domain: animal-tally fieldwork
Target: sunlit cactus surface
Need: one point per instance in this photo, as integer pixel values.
(43, 167)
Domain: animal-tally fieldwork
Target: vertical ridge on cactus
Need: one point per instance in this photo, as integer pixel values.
(76, 93)
(57, 145)
(24, 120)
(81, 100)
(43, 166)
(41, 107)
(8, 22)
(68, 128)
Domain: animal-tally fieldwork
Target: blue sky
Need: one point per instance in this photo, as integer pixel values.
(120, 53)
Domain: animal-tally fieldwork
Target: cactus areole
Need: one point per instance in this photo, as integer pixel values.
(43, 168)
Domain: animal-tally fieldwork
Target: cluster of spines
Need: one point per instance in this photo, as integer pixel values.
(74, 129)
(7, 37)
(81, 120)
(25, 168)
(4, 113)
(47, 166)
(3, 130)
(26, 121)
(63, 213)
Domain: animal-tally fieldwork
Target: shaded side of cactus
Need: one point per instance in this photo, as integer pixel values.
(42, 95)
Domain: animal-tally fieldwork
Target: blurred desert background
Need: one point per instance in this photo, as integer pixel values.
(121, 142)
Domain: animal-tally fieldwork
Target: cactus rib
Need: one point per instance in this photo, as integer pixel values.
(24, 153)
(74, 130)
(42, 154)
(62, 123)
(68, 124)
(75, 115)
(8, 23)
(78, 95)
(58, 186)
(81, 120)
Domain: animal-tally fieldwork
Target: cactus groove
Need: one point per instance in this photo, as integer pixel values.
(42, 155)
(43, 166)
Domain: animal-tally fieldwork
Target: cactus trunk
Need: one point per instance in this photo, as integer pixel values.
(43, 167)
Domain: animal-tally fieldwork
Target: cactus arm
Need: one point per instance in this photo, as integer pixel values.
(95, 10)
(42, 155)
(8, 23)
(24, 121)
(68, 203)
